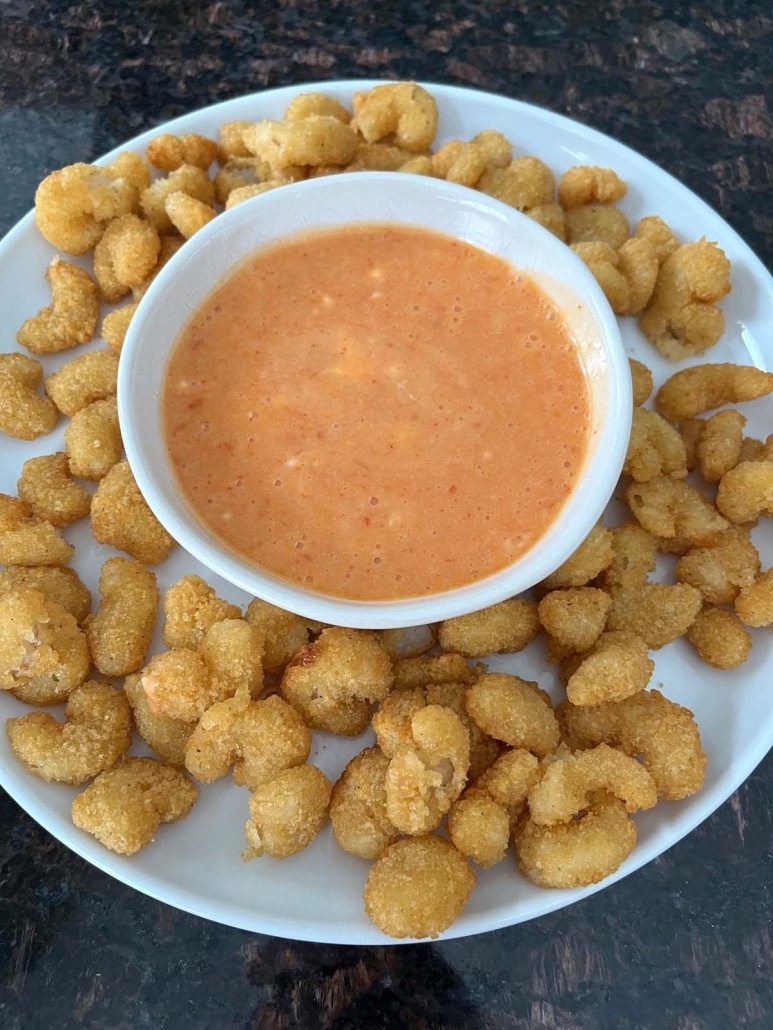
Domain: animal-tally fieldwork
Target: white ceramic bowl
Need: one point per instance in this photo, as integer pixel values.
(217, 249)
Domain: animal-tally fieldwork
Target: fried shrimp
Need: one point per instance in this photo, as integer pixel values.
(418, 887)
(96, 732)
(719, 447)
(593, 555)
(701, 388)
(720, 638)
(121, 517)
(480, 829)
(85, 379)
(720, 568)
(746, 492)
(358, 810)
(62, 586)
(574, 618)
(124, 806)
(168, 737)
(285, 634)
(178, 684)
(191, 607)
(92, 440)
(655, 448)
(43, 653)
(586, 184)
(260, 739)
(682, 319)
(641, 379)
(428, 773)
(120, 630)
(425, 669)
(568, 785)
(515, 711)
(504, 628)
(669, 507)
(287, 813)
(24, 414)
(656, 612)
(334, 680)
(402, 110)
(617, 667)
(754, 603)
(580, 852)
(72, 317)
(45, 484)
(646, 725)
(26, 540)
(168, 152)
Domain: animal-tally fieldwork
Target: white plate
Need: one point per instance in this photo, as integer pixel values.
(316, 895)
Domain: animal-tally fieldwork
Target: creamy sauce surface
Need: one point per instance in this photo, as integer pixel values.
(377, 412)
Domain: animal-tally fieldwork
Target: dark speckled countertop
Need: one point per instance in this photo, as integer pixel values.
(684, 944)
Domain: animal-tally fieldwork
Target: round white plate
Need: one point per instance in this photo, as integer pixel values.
(317, 895)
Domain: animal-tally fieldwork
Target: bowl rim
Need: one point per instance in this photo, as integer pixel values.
(202, 543)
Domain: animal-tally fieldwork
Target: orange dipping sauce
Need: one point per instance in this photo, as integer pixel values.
(377, 412)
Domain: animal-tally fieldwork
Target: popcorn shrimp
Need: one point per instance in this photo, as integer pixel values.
(24, 414)
(88, 378)
(505, 628)
(358, 810)
(120, 517)
(120, 630)
(72, 317)
(45, 484)
(191, 607)
(287, 813)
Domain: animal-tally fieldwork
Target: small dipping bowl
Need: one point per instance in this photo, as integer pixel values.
(218, 249)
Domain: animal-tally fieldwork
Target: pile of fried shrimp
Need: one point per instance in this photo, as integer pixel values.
(467, 764)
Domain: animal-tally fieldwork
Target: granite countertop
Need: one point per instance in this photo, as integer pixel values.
(684, 944)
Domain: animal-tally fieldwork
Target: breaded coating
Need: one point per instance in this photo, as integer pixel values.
(83, 380)
(746, 491)
(627, 276)
(752, 450)
(260, 739)
(120, 631)
(132, 168)
(586, 184)
(503, 628)
(659, 235)
(242, 193)
(72, 316)
(480, 829)
(285, 634)
(719, 638)
(754, 603)
(635, 556)
(230, 137)
(178, 684)
(92, 440)
(682, 318)
(423, 670)
(124, 806)
(170, 244)
(334, 680)
(669, 507)
(550, 217)
(646, 725)
(691, 431)
(655, 448)
(574, 618)
(459, 162)
(120, 517)
(168, 152)
(484, 750)
(313, 140)
(358, 812)
(617, 667)
(187, 214)
(287, 813)
(401, 110)
(380, 157)
(525, 183)
(191, 607)
(427, 774)
(166, 736)
(510, 778)
(721, 567)
(568, 785)
(94, 735)
(656, 612)
(641, 379)
(597, 223)
(515, 711)
(720, 444)
(239, 173)
(115, 326)
(74, 204)
(593, 555)
(24, 414)
(418, 887)
(391, 721)
(45, 484)
(125, 256)
(186, 179)
(704, 387)
(409, 642)
(577, 853)
(304, 104)
(232, 650)
(43, 653)
(63, 586)
(26, 540)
